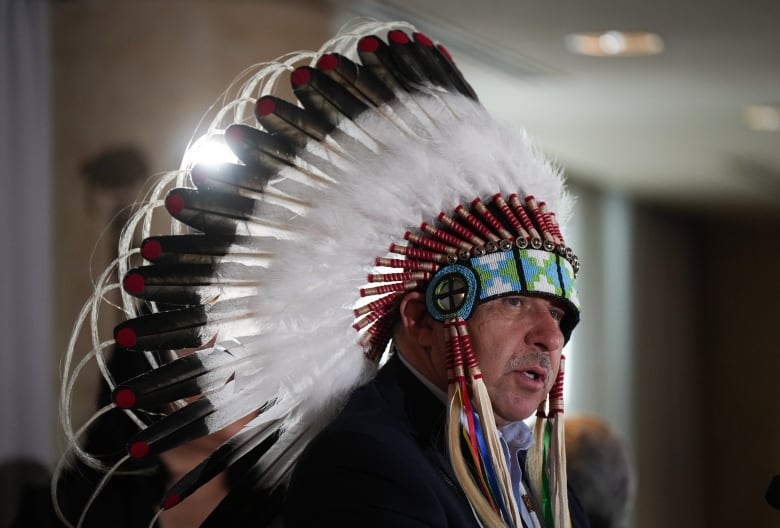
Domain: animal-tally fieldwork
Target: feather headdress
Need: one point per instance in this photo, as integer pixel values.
(333, 208)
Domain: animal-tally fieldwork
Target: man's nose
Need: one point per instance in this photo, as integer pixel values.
(544, 331)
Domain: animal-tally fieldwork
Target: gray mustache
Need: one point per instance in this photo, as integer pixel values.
(531, 359)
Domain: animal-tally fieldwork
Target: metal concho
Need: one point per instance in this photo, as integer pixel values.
(451, 293)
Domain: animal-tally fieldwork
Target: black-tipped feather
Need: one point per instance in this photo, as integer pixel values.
(185, 377)
(258, 504)
(452, 70)
(256, 147)
(225, 214)
(360, 81)
(320, 93)
(221, 176)
(375, 55)
(190, 327)
(402, 51)
(195, 420)
(164, 330)
(240, 453)
(203, 249)
(187, 284)
(293, 123)
(429, 58)
(209, 211)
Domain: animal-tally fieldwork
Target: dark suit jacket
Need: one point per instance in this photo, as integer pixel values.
(382, 463)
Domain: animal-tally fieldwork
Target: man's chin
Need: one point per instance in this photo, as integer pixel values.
(518, 415)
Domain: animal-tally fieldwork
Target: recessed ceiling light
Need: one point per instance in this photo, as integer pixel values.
(615, 43)
(765, 118)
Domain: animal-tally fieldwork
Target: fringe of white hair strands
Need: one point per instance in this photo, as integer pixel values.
(484, 410)
(457, 435)
(546, 460)
(557, 458)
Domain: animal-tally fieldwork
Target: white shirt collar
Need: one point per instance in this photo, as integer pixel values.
(518, 436)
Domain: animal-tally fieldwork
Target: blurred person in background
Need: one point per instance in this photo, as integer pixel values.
(601, 471)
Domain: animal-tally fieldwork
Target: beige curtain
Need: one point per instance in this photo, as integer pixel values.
(25, 234)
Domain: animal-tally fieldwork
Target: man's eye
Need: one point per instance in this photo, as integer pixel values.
(514, 301)
(558, 315)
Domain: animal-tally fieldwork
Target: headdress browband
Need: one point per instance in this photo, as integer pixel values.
(477, 254)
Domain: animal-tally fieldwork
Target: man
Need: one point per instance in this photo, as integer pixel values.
(387, 163)
(383, 461)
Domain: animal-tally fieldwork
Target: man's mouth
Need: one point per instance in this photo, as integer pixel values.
(534, 374)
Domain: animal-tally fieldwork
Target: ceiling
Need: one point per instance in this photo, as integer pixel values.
(667, 128)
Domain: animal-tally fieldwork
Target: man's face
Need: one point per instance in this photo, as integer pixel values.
(518, 342)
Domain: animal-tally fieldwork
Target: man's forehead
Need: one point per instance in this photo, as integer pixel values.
(538, 301)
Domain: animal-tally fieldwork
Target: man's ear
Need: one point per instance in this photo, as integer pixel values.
(416, 320)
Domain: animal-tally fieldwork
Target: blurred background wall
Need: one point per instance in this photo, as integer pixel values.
(677, 348)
